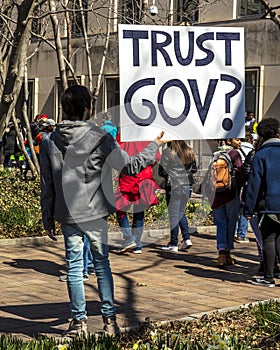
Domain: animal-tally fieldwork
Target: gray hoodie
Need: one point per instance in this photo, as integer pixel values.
(76, 162)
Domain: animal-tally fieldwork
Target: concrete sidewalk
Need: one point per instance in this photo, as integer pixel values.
(157, 285)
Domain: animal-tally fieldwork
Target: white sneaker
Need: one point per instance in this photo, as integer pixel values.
(170, 248)
(186, 244)
(127, 248)
(137, 250)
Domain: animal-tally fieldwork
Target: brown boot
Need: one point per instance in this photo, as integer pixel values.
(229, 258)
(222, 259)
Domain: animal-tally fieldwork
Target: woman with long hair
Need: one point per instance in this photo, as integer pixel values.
(178, 164)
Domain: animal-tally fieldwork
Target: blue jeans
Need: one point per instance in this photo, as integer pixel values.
(225, 218)
(242, 226)
(87, 256)
(97, 233)
(133, 234)
(176, 199)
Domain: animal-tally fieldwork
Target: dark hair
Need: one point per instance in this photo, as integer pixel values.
(268, 128)
(74, 101)
(182, 150)
(249, 137)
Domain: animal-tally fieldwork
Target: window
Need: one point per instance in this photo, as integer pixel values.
(76, 17)
(131, 11)
(59, 91)
(252, 83)
(113, 98)
(186, 11)
(36, 27)
(248, 8)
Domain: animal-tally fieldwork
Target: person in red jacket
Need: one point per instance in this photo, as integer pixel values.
(138, 191)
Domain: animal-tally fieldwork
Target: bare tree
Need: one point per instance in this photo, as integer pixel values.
(270, 10)
(98, 84)
(84, 31)
(58, 44)
(16, 59)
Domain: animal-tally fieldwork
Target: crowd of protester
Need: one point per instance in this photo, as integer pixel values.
(13, 155)
(79, 155)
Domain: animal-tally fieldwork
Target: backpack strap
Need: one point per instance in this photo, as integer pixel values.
(241, 150)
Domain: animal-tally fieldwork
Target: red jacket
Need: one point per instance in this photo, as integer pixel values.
(139, 189)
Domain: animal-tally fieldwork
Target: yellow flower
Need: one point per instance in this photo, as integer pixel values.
(215, 338)
(153, 335)
(136, 345)
(62, 347)
(222, 345)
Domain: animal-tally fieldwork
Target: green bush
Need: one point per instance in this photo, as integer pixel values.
(20, 211)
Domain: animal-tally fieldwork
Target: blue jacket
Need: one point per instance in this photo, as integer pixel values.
(263, 189)
(111, 128)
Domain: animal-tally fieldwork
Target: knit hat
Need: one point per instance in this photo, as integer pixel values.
(41, 118)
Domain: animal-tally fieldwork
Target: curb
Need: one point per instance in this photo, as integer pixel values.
(115, 235)
(193, 317)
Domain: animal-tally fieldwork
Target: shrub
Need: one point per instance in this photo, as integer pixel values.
(20, 211)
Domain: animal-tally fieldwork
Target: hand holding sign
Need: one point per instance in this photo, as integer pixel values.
(159, 140)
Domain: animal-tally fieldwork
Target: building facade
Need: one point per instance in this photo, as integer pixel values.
(262, 49)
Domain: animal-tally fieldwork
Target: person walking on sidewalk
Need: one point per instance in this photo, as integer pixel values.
(178, 164)
(242, 224)
(138, 192)
(226, 207)
(77, 191)
(263, 193)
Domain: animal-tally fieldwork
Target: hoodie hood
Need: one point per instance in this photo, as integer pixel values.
(77, 138)
(273, 141)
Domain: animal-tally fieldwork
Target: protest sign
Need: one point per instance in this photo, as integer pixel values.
(187, 81)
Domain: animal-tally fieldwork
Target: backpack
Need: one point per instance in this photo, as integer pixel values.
(220, 176)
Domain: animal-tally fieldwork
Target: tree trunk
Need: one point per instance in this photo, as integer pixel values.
(90, 84)
(33, 163)
(59, 50)
(15, 73)
(21, 144)
(98, 84)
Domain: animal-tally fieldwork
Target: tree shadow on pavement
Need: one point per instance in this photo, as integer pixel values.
(204, 265)
(43, 266)
(33, 320)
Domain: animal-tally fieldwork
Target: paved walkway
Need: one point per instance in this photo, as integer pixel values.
(158, 285)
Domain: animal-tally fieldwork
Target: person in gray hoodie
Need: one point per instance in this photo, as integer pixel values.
(77, 191)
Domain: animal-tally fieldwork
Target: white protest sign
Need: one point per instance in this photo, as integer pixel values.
(187, 81)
